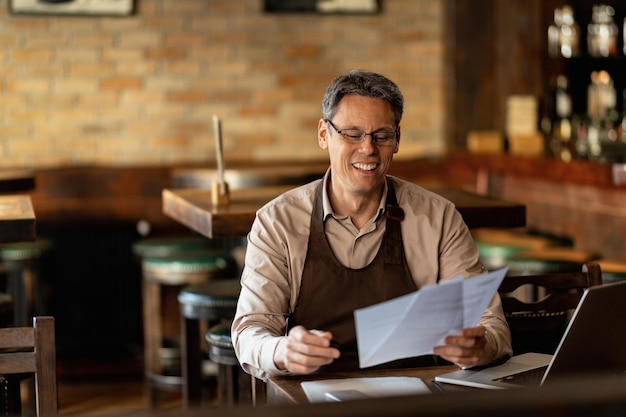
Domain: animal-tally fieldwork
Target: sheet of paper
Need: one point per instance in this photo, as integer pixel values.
(413, 324)
(372, 387)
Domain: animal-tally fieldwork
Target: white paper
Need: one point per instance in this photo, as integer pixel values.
(372, 387)
(413, 324)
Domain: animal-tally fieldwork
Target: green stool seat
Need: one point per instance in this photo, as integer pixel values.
(23, 263)
(25, 251)
(209, 300)
(529, 266)
(609, 276)
(187, 267)
(164, 246)
(219, 337)
(213, 301)
(494, 256)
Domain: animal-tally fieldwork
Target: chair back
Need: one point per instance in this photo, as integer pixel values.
(31, 350)
(538, 307)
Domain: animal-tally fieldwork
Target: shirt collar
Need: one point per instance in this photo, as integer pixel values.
(328, 211)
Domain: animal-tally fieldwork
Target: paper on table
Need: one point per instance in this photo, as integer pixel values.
(372, 387)
(411, 325)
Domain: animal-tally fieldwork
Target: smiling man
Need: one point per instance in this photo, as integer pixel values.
(352, 239)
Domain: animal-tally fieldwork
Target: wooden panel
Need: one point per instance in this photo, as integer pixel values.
(493, 49)
(93, 194)
(12, 181)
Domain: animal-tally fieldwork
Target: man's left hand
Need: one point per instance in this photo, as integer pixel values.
(465, 349)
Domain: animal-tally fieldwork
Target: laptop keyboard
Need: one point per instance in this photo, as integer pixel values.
(531, 377)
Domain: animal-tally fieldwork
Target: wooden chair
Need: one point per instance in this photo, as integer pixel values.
(538, 323)
(31, 350)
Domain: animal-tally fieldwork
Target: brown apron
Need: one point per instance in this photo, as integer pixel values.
(330, 292)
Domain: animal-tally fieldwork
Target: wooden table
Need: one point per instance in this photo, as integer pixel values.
(588, 396)
(17, 219)
(193, 208)
(287, 389)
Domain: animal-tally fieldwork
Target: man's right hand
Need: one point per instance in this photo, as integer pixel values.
(304, 351)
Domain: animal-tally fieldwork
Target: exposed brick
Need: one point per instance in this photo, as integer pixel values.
(121, 83)
(257, 111)
(166, 53)
(187, 97)
(141, 89)
(301, 51)
(21, 56)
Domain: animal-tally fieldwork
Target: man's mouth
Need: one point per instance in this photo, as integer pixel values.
(365, 167)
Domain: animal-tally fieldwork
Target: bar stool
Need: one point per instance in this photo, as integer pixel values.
(170, 273)
(23, 262)
(221, 351)
(201, 304)
(161, 246)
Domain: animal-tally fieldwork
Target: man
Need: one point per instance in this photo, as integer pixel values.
(355, 238)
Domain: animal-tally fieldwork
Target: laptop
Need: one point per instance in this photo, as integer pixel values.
(594, 342)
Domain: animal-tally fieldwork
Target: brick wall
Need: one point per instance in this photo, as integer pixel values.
(141, 90)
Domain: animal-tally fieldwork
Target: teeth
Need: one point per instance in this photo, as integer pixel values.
(365, 167)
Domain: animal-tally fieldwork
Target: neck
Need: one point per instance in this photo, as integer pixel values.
(359, 207)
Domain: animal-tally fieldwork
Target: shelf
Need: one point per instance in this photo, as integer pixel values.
(574, 172)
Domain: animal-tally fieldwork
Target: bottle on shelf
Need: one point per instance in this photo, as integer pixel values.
(564, 34)
(563, 99)
(602, 32)
(601, 96)
(561, 129)
(624, 35)
(579, 143)
(622, 126)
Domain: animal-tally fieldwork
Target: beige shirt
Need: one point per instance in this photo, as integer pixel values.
(437, 244)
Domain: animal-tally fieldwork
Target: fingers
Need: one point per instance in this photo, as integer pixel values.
(304, 351)
(465, 349)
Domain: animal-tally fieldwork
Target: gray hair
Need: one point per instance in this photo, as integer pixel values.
(366, 84)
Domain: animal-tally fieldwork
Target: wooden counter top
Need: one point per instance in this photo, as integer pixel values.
(193, 208)
(573, 172)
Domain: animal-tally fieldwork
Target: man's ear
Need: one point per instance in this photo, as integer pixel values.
(396, 147)
(322, 134)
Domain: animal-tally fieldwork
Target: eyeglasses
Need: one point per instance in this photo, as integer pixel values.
(354, 136)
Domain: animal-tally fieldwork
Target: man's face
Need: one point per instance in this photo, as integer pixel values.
(359, 168)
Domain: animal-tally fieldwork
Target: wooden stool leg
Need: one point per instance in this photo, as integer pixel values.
(234, 385)
(226, 383)
(153, 335)
(191, 362)
(17, 287)
(256, 388)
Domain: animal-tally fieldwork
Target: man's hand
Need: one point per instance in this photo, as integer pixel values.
(304, 351)
(465, 349)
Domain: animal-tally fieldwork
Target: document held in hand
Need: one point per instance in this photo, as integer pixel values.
(413, 324)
